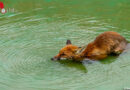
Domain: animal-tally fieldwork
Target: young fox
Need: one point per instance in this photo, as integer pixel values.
(105, 44)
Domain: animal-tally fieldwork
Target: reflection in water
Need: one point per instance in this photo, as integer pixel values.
(73, 64)
(39, 28)
(109, 60)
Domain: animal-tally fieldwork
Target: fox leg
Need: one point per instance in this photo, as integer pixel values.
(119, 49)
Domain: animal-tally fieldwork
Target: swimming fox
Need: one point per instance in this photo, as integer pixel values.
(105, 44)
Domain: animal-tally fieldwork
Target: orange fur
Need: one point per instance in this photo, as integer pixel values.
(67, 52)
(104, 44)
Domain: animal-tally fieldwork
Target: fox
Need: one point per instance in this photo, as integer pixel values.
(105, 44)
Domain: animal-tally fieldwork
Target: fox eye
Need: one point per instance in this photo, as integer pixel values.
(62, 54)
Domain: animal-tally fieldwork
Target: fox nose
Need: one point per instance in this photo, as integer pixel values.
(52, 58)
(58, 58)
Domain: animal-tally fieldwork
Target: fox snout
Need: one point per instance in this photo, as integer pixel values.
(57, 58)
(54, 59)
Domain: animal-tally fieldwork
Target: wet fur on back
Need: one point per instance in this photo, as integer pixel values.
(104, 44)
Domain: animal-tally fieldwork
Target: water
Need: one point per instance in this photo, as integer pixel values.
(36, 30)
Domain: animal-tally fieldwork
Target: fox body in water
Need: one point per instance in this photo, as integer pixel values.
(105, 44)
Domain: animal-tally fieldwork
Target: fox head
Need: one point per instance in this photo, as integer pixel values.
(67, 52)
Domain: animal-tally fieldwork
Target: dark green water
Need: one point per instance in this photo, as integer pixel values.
(37, 29)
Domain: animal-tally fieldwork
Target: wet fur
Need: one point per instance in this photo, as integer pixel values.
(105, 44)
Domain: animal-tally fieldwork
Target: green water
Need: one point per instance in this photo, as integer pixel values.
(37, 29)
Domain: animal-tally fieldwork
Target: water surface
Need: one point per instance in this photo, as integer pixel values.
(37, 29)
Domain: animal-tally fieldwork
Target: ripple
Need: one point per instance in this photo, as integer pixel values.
(29, 38)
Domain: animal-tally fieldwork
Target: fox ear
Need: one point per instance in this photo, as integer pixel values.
(68, 42)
